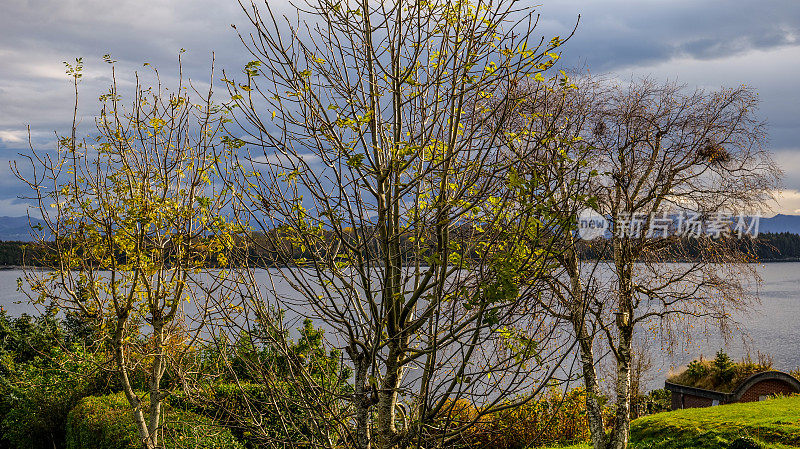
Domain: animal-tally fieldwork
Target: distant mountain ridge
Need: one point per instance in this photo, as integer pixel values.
(774, 225)
(780, 223)
(19, 228)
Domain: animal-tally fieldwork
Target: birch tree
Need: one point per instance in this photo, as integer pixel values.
(661, 161)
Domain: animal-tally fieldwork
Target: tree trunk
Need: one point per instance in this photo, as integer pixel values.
(122, 369)
(387, 401)
(594, 411)
(622, 421)
(579, 312)
(622, 417)
(624, 323)
(362, 398)
(156, 373)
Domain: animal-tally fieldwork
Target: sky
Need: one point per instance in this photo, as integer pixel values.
(707, 44)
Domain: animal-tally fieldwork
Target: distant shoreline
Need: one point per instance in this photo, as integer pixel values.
(766, 248)
(41, 268)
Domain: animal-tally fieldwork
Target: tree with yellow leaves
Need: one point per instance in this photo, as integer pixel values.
(373, 152)
(132, 218)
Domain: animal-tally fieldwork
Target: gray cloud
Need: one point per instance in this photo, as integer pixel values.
(708, 44)
(619, 33)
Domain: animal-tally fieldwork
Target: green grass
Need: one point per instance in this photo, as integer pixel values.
(574, 446)
(774, 423)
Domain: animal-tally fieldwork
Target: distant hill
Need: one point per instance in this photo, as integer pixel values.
(16, 228)
(780, 223)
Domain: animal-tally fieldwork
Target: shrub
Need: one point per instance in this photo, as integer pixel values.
(656, 401)
(697, 369)
(105, 422)
(557, 418)
(722, 373)
(262, 397)
(724, 368)
(459, 411)
(38, 403)
(661, 400)
(40, 381)
(259, 414)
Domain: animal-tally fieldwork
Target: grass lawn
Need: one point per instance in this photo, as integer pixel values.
(774, 423)
(574, 446)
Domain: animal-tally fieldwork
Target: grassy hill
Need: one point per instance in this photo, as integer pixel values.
(773, 424)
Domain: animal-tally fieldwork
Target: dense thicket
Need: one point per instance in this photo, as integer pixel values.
(45, 369)
(58, 387)
(105, 423)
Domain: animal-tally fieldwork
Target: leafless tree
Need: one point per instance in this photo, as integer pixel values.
(555, 150)
(656, 154)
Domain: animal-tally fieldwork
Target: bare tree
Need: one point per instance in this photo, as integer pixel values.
(131, 215)
(375, 163)
(553, 149)
(655, 155)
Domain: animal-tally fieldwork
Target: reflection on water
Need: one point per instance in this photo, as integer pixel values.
(772, 328)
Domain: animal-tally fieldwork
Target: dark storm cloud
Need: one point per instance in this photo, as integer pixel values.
(615, 34)
(705, 43)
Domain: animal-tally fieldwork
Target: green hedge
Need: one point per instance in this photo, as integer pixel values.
(44, 372)
(106, 422)
(35, 401)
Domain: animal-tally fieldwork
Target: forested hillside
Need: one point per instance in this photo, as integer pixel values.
(767, 247)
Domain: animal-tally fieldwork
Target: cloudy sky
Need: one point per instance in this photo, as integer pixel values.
(708, 44)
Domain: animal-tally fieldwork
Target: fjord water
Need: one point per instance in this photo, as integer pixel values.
(772, 327)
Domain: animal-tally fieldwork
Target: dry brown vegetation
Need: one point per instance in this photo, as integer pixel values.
(721, 373)
(557, 417)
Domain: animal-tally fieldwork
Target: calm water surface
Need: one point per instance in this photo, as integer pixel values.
(772, 328)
